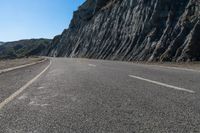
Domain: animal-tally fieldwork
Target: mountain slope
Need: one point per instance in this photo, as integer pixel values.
(1, 43)
(24, 48)
(146, 30)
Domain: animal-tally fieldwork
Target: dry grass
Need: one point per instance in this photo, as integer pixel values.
(17, 62)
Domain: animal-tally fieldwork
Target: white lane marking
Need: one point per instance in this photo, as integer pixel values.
(91, 65)
(14, 95)
(22, 66)
(39, 88)
(162, 84)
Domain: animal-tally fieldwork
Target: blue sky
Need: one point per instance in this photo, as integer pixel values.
(25, 19)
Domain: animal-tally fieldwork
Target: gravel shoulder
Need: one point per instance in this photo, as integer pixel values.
(185, 65)
(4, 64)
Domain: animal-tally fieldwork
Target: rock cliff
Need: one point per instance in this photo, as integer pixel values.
(133, 30)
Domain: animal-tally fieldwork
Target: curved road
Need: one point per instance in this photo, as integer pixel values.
(80, 95)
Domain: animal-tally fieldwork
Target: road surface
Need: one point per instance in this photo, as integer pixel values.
(87, 96)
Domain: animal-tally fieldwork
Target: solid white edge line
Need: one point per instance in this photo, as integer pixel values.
(14, 95)
(22, 66)
(162, 84)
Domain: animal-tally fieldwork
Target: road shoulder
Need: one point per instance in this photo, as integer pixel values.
(10, 65)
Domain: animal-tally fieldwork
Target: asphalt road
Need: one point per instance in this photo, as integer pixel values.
(90, 96)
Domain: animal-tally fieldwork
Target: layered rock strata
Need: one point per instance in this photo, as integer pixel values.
(132, 30)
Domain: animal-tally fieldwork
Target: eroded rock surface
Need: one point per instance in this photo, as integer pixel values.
(145, 30)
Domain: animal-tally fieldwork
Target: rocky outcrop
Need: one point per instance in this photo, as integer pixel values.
(142, 30)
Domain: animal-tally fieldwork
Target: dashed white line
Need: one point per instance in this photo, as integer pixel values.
(91, 65)
(14, 95)
(162, 84)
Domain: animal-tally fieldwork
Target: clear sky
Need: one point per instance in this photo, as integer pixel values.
(25, 19)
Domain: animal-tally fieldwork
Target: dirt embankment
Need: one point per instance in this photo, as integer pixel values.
(4, 64)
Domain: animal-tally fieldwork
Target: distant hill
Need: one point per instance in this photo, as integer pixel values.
(1, 43)
(24, 48)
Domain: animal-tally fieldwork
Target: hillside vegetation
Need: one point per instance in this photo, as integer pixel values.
(24, 48)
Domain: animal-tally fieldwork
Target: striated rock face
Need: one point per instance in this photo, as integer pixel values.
(144, 30)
